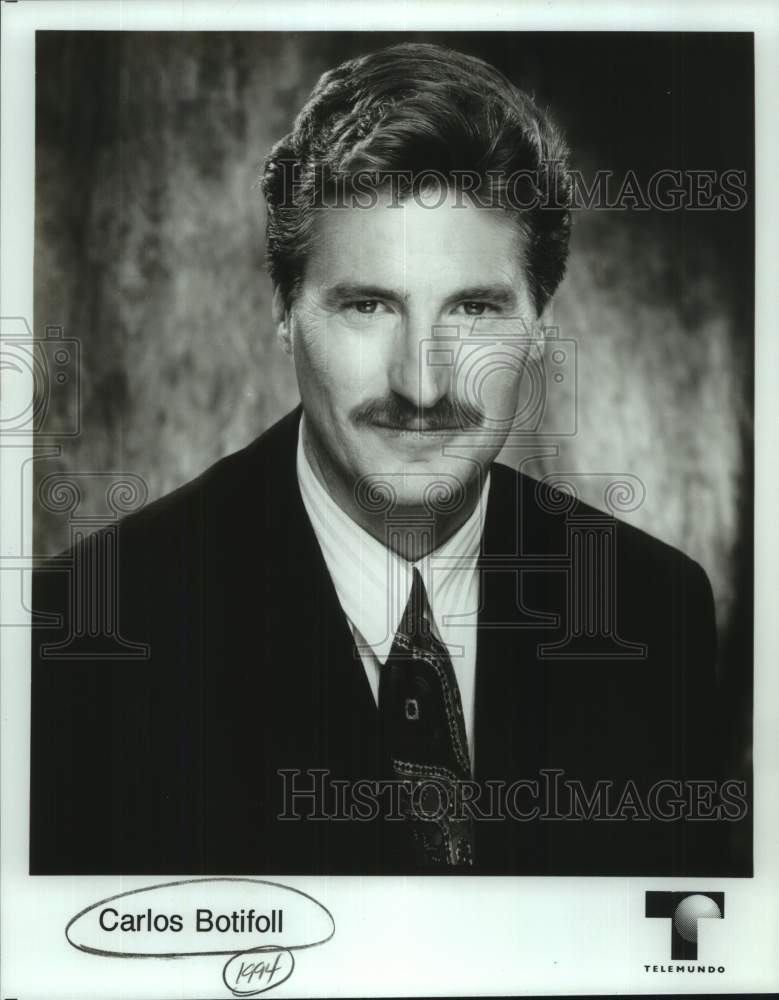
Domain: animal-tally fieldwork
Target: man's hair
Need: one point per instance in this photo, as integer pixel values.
(420, 111)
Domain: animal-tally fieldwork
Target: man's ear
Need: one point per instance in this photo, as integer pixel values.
(542, 323)
(546, 316)
(281, 319)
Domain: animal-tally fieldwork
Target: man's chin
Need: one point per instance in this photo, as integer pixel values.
(431, 488)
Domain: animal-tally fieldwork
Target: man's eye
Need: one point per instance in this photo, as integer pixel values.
(365, 307)
(476, 308)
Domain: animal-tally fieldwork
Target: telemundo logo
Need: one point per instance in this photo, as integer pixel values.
(685, 910)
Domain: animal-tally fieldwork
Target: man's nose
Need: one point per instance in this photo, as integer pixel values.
(418, 370)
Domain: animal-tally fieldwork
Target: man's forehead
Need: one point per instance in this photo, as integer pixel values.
(413, 244)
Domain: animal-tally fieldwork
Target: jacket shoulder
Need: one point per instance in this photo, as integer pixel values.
(245, 479)
(203, 522)
(547, 510)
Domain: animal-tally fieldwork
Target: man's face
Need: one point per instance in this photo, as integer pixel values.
(408, 334)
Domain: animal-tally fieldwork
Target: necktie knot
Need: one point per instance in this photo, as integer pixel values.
(415, 624)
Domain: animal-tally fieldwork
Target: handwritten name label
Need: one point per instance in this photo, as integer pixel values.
(258, 923)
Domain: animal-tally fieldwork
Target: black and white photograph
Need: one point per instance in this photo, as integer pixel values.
(387, 491)
(440, 446)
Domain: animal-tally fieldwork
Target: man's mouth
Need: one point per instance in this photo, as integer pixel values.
(414, 429)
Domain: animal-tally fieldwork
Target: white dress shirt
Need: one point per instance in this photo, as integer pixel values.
(373, 583)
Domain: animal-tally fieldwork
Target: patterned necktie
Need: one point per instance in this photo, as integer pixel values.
(424, 741)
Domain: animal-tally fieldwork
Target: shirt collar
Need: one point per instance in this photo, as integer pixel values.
(373, 584)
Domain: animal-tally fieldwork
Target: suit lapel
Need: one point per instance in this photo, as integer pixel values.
(322, 682)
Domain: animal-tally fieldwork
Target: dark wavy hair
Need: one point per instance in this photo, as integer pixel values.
(419, 111)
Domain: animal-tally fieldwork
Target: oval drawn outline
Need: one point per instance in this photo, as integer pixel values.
(186, 954)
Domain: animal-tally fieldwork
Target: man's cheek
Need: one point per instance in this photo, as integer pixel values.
(311, 350)
(508, 384)
(495, 397)
(359, 373)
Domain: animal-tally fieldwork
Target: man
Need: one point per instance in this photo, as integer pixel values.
(371, 648)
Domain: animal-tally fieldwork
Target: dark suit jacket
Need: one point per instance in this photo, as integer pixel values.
(170, 763)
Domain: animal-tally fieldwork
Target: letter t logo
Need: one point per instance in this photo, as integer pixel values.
(685, 909)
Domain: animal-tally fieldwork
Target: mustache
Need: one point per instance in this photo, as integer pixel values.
(399, 413)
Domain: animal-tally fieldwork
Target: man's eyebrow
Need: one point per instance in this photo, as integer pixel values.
(345, 291)
(500, 294)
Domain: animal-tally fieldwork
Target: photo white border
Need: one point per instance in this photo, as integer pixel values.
(416, 936)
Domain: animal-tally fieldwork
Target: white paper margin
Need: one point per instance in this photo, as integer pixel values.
(444, 936)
